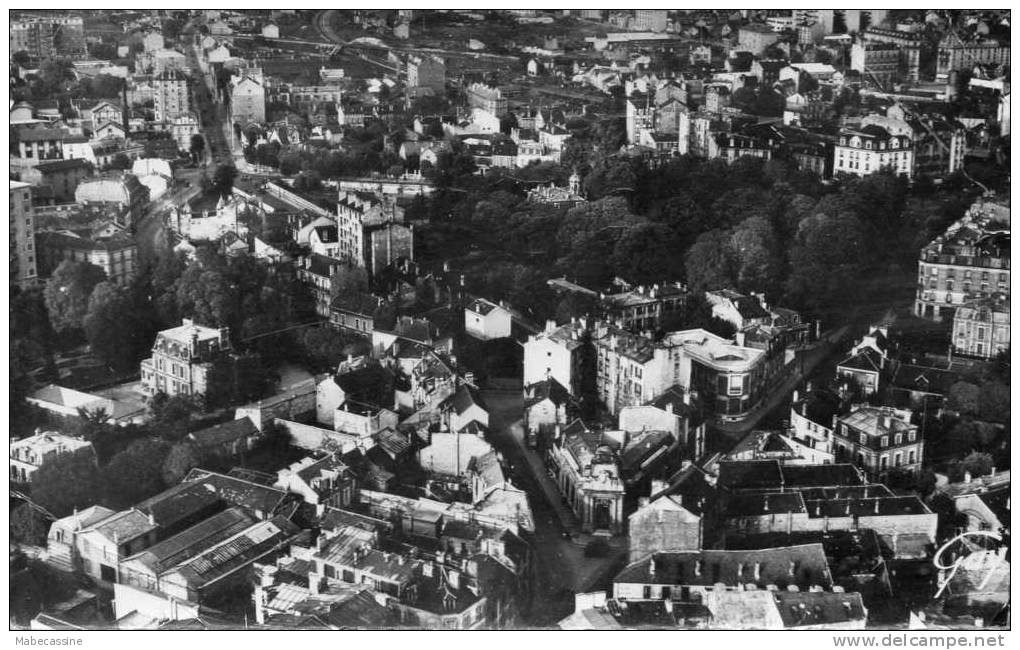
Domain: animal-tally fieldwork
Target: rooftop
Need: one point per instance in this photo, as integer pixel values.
(236, 552)
(185, 545)
(239, 429)
(804, 566)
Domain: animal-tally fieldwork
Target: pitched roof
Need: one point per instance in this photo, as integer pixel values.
(188, 543)
(770, 473)
(549, 389)
(363, 612)
(356, 303)
(463, 399)
(921, 378)
(179, 503)
(867, 360)
(239, 492)
(482, 306)
(236, 552)
(123, 526)
(808, 608)
(239, 429)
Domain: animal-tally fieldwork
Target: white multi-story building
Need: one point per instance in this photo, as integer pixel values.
(247, 101)
(182, 358)
(29, 454)
(870, 149)
(556, 352)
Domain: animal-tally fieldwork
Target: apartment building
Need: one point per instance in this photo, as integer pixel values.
(22, 263)
(969, 261)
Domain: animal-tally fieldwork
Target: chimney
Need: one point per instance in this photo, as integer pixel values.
(792, 569)
(966, 477)
(651, 566)
(757, 571)
(697, 568)
(876, 506)
(313, 582)
(550, 325)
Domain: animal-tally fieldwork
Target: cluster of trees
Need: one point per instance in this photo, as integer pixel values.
(131, 464)
(752, 225)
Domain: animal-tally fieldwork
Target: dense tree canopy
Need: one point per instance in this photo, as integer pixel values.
(66, 482)
(67, 294)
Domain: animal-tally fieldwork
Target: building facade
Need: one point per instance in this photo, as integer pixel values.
(878, 440)
(28, 454)
(117, 255)
(969, 261)
(588, 474)
(872, 148)
(22, 263)
(171, 96)
(981, 328)
(182, 358)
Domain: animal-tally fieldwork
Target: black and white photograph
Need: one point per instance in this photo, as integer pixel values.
(369, 319)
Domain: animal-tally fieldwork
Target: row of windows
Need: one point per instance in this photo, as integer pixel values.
(883, 462)
(967, 274)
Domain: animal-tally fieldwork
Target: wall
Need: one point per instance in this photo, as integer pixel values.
(674, 531)
(299, 400)
(314, 438)
(128, 599)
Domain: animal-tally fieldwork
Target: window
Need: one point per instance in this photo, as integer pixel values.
(912, 457)
(899, 459)
(885, 441)
(899, 439)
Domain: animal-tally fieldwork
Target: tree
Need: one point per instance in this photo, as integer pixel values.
(308, 181)
(323, 347)
(28, 526)
(197, 146)
(112, 327)
(993, 402)
(827, 256)
(276, 438)
(120, 161)
(66, 482)
(135, 473)
(963, 397)
(67, 294)
(181, 459)
(348, 280)
(978, 463)
(711, 263)
(171, 416)
(223, 179)
(756, 249)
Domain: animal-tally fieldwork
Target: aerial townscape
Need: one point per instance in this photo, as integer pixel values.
(509, 319)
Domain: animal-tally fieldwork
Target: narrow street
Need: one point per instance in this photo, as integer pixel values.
(563, 568)
(806, 362)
